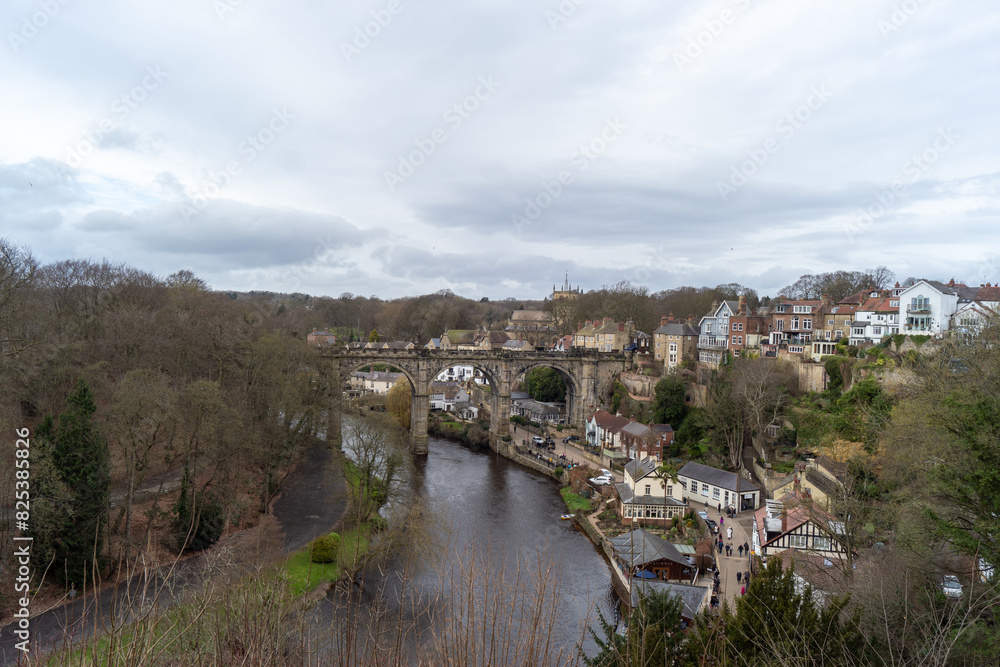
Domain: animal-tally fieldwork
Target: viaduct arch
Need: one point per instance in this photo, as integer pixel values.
(588, 375)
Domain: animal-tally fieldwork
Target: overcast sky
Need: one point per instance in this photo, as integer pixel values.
(399, 147)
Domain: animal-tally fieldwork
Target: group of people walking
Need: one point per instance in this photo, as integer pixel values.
(725, 545)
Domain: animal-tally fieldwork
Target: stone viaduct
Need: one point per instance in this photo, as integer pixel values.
(588, 376)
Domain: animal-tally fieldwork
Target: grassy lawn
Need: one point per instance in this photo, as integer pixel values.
(303, 575)
(574, 501)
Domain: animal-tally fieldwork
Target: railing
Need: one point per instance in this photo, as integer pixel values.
(918, 309)
(718, 342)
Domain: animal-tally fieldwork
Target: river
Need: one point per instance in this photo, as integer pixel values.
(496, 520)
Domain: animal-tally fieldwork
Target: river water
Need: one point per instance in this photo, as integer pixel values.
(495, 519)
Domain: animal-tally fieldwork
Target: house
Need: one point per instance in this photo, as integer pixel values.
(433, 344)
(875, 319)
(832, 325)
(711, 486)
(675, 341)
(398, 345)
(604, 430)
(973, 314)
(377, 382)
(518, 346)
(820, 479)
(446, 395)
(795, 523)
(647, 498)
(640, 551)
(321, 338)
(466, 411)
(584, 336)
(562, 344)
(713, 341)
(537, 327)
(748, 327)
(694, 598)
(613, 336)
(639, 441)
(490, 340)
(640, 342)
(792, 321)
(928, 307)
(458, 339)
(537, 411)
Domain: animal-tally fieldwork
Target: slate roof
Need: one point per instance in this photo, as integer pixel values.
(537, 408)
(822, 482)
(693, 598)
(460, 336)
(636, 429)
(535, 316)
(716, 477)
(677, 329)
(640, 547)
(516, 345)
(434, 344)
(637, 469)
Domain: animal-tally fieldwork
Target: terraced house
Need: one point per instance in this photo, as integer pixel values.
(713, 341)
(674, 341)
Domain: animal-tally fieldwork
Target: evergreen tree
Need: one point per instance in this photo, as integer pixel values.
(668, 401)
(198, 517)
(76, 490)
(654, 635)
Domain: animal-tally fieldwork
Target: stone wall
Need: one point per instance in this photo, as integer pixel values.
(639, 385)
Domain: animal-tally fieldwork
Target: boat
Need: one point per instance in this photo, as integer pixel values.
(565, 516)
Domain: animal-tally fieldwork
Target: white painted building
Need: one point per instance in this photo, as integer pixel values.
(875, 319)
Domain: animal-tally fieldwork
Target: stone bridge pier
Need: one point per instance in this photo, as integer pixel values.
(588, 376)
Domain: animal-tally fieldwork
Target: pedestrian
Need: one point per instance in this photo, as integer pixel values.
(746, 547)
(739, 577)
(729, 532)
(720, 508)
(743, 590)
(720, 547)
(746, 576)
(741, 551)
(722, 520)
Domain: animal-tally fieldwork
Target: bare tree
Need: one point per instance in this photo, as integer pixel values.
(761, 385)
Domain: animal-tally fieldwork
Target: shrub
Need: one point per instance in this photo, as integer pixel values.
(378, 523)
(324, 549)
(558, 472)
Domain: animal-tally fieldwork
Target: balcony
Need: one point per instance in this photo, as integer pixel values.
(919, 310)
(713, 342)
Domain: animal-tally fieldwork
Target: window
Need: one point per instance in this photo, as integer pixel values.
(704, 489)
(684, 485)
(715, 492)
(797, 541)
(781, 325)
(734, 340)
(740, 325)
(795, 322)
(821, 543)
(734, 326)
(670, 491)
(739, 340)
(829, 323)
(648, 487)
(877, 331)
(838, 334)
(807, 324)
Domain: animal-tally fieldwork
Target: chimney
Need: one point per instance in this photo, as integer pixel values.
(951, 283)
(826, 301)
(621, 326)
(784, 519)
(690, 320)
(715, 306)
(741, 305)
(579, 325)
(663, 320)
(670, 316)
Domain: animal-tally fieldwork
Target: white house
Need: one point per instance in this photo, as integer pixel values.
(793, 524)
(927, 307)
(713, 340)
(446, 395)
(713, 487)
(972, 315)
(604, 430)
(875, 319)
(376, 382)
(647, 497)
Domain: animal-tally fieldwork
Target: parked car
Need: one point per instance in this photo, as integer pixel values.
(538, 440)
(600, 481)
(704, 515)
(951, 587)
(606, 473)
(713, 527)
